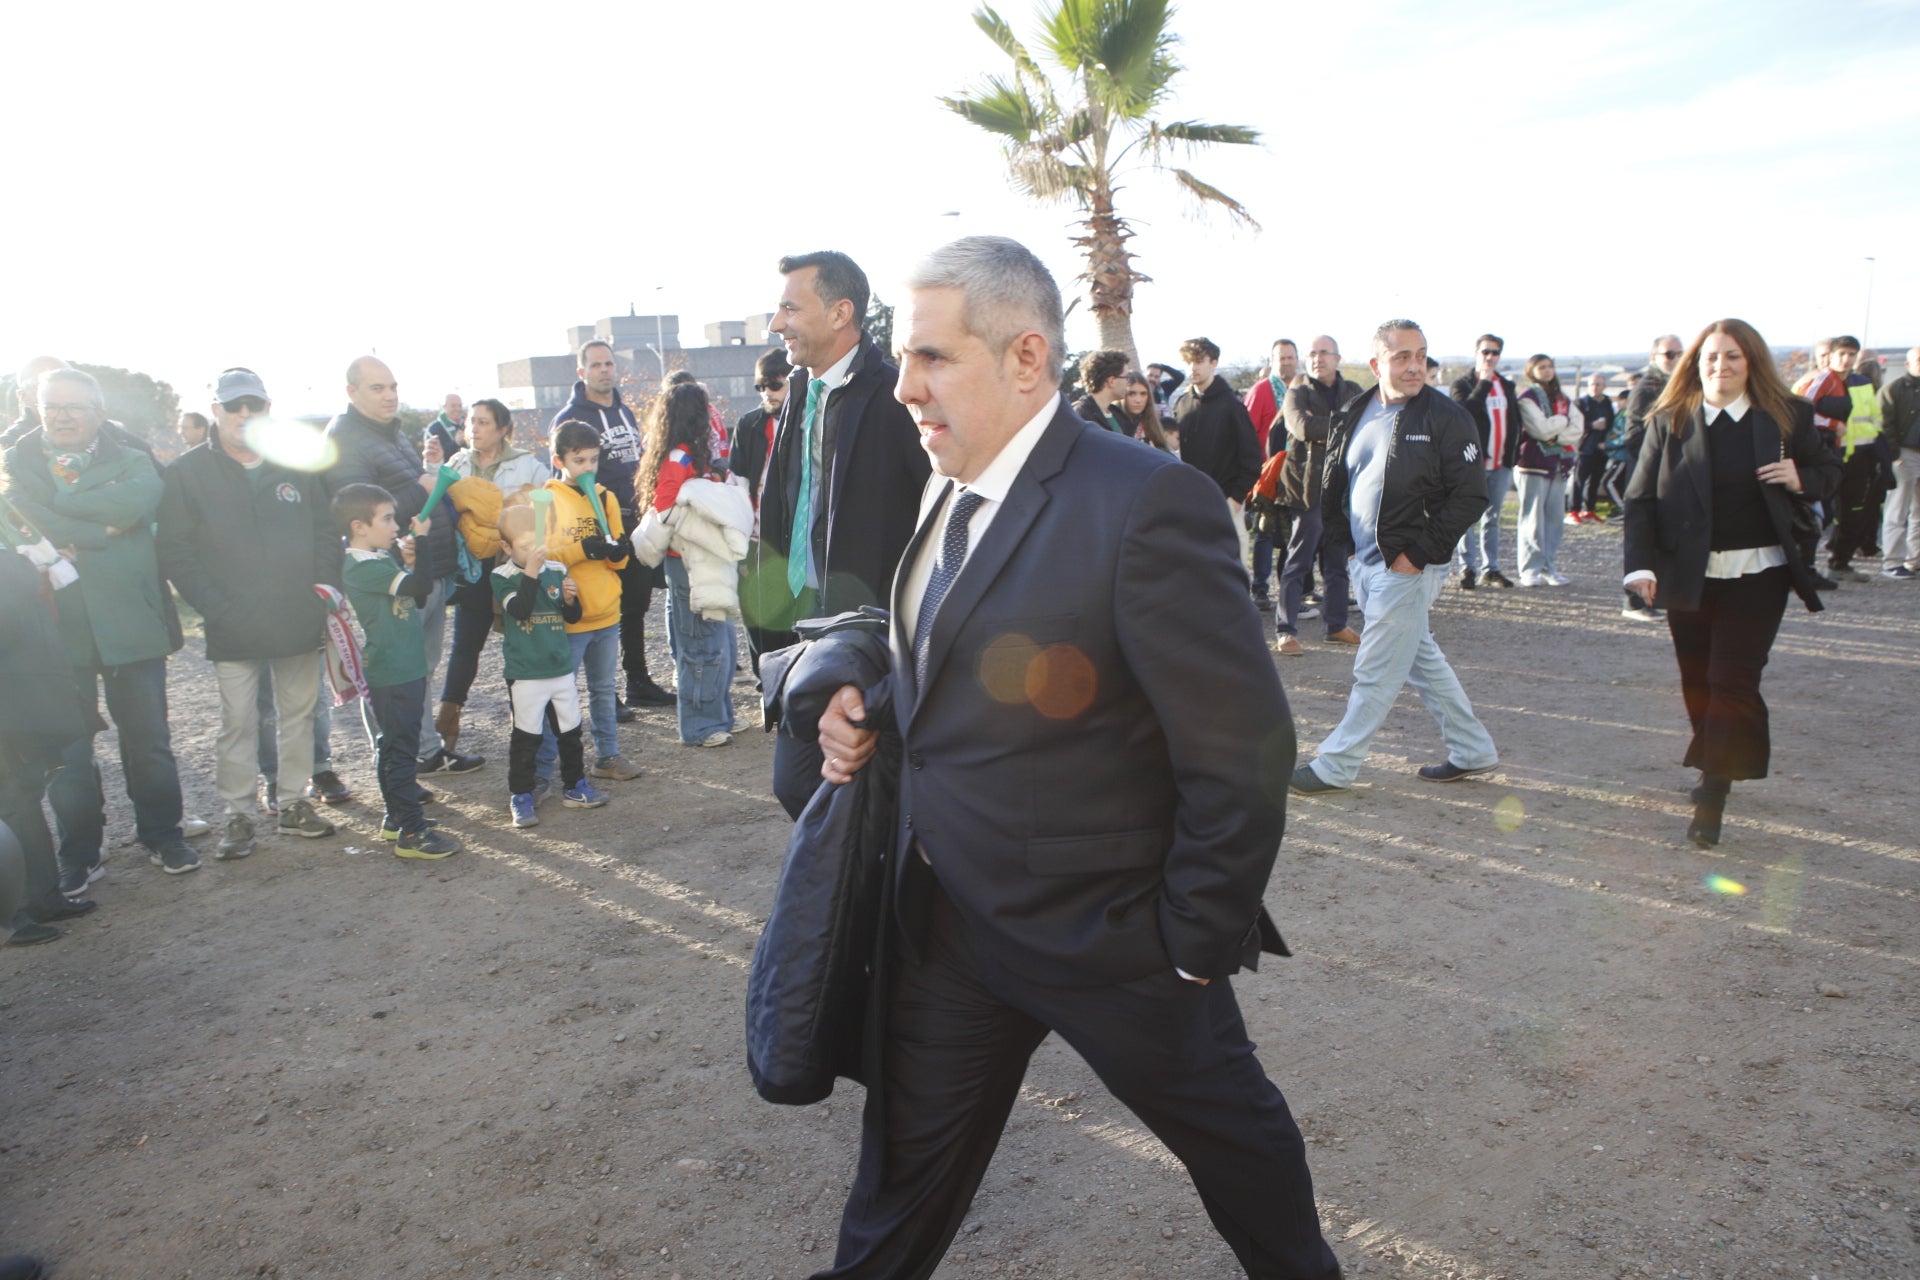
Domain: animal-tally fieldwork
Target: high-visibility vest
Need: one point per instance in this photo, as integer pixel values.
(1863, 424)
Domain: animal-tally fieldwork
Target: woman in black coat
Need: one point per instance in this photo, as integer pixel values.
(1728, 453)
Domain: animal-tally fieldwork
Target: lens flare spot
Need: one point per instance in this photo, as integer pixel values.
(1508, 813)
(1003, 667)
(1061, 682)
(293, 445)
(1721, 884)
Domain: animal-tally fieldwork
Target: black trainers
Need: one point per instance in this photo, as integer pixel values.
(622, 713)
(1469, 580)
(69, 909)
(451, 762)
(326, 787)
(74, 883)
(1448, 771)
(176, 859)
(429, 843)
(34, 934)
(1495, 578)
(645, 693)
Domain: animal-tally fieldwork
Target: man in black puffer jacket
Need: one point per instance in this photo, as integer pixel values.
(246, 540)
(372, 451)
(1404, 480)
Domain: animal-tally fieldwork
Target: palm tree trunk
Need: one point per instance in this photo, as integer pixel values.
(1110, 276)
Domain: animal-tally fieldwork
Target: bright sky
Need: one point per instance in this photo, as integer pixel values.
(287, 186)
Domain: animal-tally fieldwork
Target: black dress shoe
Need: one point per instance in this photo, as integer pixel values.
(69, 909)
(34, 934)
(1704, 830)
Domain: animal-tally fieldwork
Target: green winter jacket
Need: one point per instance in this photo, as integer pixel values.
(129, 614)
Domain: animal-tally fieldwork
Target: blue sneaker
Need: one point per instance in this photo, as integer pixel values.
(521, 806)
(582, 796)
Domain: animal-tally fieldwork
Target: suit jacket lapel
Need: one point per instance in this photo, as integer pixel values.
(1025, 500)
(849, 407)
(1699, 462)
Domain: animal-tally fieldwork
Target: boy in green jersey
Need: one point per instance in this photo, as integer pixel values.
(539, 599)
(386, 595)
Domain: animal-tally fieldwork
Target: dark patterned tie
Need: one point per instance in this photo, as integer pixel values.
(953, 550)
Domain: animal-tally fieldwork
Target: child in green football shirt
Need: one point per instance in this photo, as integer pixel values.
(538, 599)
(386, 596)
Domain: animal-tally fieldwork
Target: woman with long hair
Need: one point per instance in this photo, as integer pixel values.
(1137, 416)
(1551, 427)
(491, 456)
(679, 449)
(1729, 455)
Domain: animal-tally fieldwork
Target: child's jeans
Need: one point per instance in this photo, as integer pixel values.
(702, 662)
(397, 708)
(597, 654)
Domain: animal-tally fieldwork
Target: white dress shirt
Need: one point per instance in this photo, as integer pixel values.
(992, 484)
(1728, 564)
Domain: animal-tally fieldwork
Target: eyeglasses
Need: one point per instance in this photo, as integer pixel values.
(1489, 351)
(248, 404)
(67, 410)
(1671, 355)
(768, 386)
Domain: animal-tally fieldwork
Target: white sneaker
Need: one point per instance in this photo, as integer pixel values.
(1533, 580)
(192, 827)
(1558, 579)
(717, 740)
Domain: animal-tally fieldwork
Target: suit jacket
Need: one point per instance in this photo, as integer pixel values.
(1097, 765)
(875, 472)
(1670, 500)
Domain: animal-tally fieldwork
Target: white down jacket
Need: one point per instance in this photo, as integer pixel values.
(709, 524)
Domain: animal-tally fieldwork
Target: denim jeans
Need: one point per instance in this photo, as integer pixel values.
(1262, 563)
(702, 663)
(596, 654)
(268, 755)
(397, 707)
(1543, 510)
(137, 705)
(433, 624)
(1481, 546)
(1305, 545)
(1396, 649)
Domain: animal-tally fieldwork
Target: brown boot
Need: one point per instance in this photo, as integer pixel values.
(446, 723)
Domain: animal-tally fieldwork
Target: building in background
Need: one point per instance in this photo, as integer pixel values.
(647, 349)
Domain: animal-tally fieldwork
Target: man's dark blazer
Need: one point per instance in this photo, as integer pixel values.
(1097, 765)
(1670, 500)
(876, 470)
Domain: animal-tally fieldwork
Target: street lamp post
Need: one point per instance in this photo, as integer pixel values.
(1866, 322)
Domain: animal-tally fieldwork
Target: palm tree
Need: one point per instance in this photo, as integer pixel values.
(1073, 147)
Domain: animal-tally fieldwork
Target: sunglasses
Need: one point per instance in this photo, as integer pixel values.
(1489, 351)
(767, 386)
(1671, 355)
(252, 403)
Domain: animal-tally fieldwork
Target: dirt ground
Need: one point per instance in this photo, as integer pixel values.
(1528, 1032)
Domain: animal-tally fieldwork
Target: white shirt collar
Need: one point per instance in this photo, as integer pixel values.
(836, 372)
(994, 482)
(1737, 410)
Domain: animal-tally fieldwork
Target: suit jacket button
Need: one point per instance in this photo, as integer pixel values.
(916, 760)
(909, 822)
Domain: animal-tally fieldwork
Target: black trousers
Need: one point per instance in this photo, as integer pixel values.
(1857, 524)
(959, 1033)
(636, 597)
(1585, 494)
(1722, 647)
(472, 605)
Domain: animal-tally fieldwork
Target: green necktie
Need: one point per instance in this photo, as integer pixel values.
(800, 546)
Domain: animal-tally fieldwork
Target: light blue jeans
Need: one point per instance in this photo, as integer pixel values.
(597, 654)
(1543, 510)
(1481, 546)
(1396, 649)
(702, 663)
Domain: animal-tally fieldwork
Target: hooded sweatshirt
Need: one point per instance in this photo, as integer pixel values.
(620, 444)
(598, 580)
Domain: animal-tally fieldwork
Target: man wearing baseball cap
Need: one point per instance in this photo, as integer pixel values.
(245, 538)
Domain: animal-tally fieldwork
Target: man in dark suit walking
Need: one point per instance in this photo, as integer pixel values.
(1095, 742)
(843, 485)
